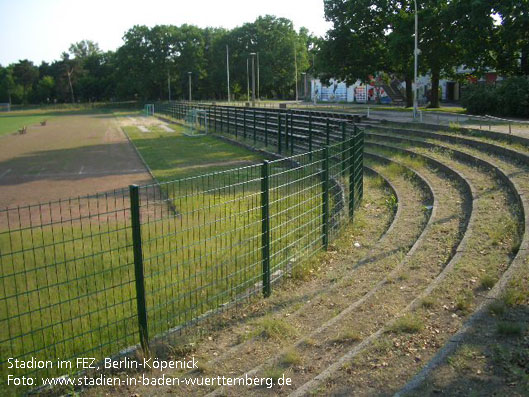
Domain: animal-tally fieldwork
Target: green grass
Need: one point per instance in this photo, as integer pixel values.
(290, 358)
(269, 327)
(347, 336)
(463, 359)
(487, 281)
(409, 324)
(508, 328)
(11, 123)
(175, 155)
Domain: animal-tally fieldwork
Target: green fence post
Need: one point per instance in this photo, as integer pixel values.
(215, 117)
(266, 128)
(352, 179)
(254, 129)
(291, 133)
(359, 138)
(138, 267)
(236, 111)
(327, 133)
(279, 133)
(265, 226)
(344, 148)
(325, 200)
(310, 137)
(287, 118)
(244, 122)
(228, 119)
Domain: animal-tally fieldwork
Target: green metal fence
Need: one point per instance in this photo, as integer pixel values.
(91, 276)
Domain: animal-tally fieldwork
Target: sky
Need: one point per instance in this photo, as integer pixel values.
(40, 30)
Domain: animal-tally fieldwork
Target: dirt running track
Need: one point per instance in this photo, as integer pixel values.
(71, 156)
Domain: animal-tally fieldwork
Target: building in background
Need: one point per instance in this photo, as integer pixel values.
(394, 92)
(338, 91)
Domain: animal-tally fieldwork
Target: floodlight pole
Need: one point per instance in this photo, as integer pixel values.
(253, 78)
(416, 62)
(189, 75)
(258, 80)
(248, 78)
(228, 70)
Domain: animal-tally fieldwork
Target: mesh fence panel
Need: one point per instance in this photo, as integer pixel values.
(70, 286)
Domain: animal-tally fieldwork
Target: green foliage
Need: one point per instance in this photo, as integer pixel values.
(487, 281)
(369, 36)
(479, 99)
(463, 358)
(508, 98)
(464, 301)
(513, 97)
(290, 358)
(497, 308)
(150, 56)
(391, 203)
(508, 328)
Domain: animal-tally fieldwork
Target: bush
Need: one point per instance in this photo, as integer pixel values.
(508, 98)
(513, 97)
(479, 99)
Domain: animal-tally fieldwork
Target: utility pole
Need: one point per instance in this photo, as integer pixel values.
(253, 78)
(258, 80)
(416, 63)
(313, 84)
(189, 76)
(228, 70)
(248, 78)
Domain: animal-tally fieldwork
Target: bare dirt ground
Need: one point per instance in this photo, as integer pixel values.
(71, 156)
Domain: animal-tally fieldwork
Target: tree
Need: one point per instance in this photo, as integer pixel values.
(25, 74)
(84, 48)
(369, 36)
(71, 67)
(8, 87)
(45, 88)
(512, 38)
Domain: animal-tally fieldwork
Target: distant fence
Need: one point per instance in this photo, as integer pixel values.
(74, 106)
(94, 275)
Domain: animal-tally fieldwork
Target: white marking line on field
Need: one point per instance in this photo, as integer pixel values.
(166, 128)
(5, 173)
(81, 170)
(143, 128)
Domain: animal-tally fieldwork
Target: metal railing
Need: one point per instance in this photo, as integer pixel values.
(92, 276)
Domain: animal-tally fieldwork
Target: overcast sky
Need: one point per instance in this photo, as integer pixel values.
(40, 30)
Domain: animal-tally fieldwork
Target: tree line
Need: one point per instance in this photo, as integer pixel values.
(369, 36)
(154, 62)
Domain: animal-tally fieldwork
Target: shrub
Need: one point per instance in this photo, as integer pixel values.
(509, 97)
(513, 97)
(479, 99)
